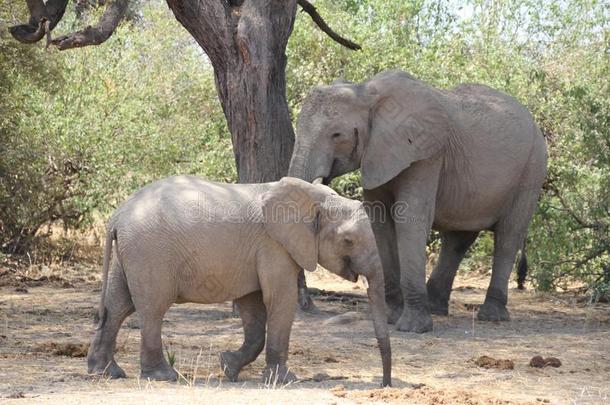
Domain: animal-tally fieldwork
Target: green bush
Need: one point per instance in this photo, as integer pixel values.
(82, 129)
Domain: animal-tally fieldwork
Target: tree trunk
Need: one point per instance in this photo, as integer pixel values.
(246, 44)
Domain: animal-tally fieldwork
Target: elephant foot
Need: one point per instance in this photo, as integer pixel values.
(438, 298)
(230, 363)
(438, 306)
(110, 369)
(278, 375)
(493, 311)
(394, 312)
(418, 321)
(162, 373)
(306, 303)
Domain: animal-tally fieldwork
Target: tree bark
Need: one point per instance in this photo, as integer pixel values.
(246, 44)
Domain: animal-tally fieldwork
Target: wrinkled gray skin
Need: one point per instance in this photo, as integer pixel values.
(184, 239)
(459, 161)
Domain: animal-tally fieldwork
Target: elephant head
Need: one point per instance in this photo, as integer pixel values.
(315, 225)
(381, 126)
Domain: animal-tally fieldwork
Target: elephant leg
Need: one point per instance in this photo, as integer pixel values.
(412, 255)
(153, 291)
(413, 214)
(385, 236)
(153, 364)
(454, 245)
(509, 233)
(305, 301)
(254, 318)
(118, 306)
(278, 279)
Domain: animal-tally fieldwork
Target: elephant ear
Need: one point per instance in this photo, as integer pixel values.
(291, 216)
(406, 125)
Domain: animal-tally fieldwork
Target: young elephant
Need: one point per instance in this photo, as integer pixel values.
(184, 239)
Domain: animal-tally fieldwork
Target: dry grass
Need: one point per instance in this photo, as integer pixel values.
(437, 367)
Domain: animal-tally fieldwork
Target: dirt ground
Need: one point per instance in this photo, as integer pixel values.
(45, 326)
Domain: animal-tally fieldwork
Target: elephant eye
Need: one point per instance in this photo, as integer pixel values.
(336, 135)
(348, 242)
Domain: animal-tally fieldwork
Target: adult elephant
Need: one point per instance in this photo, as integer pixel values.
(460, 161)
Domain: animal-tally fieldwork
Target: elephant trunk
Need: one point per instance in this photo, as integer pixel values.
(299, 169)
(309, 166)
(378, 312)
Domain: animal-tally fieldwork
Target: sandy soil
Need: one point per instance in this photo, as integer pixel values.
(44, 324)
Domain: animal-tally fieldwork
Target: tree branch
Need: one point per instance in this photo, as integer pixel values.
(580, 221)
(95, 35)
(43, 18)
(208, 22)
(313, 13)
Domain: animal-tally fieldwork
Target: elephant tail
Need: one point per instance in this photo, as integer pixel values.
(522, 268)
(100, 317)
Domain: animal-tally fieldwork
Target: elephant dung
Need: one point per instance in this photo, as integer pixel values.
(490, 362)
(539, 362)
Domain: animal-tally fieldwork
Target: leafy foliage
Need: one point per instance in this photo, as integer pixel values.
(82, 129)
